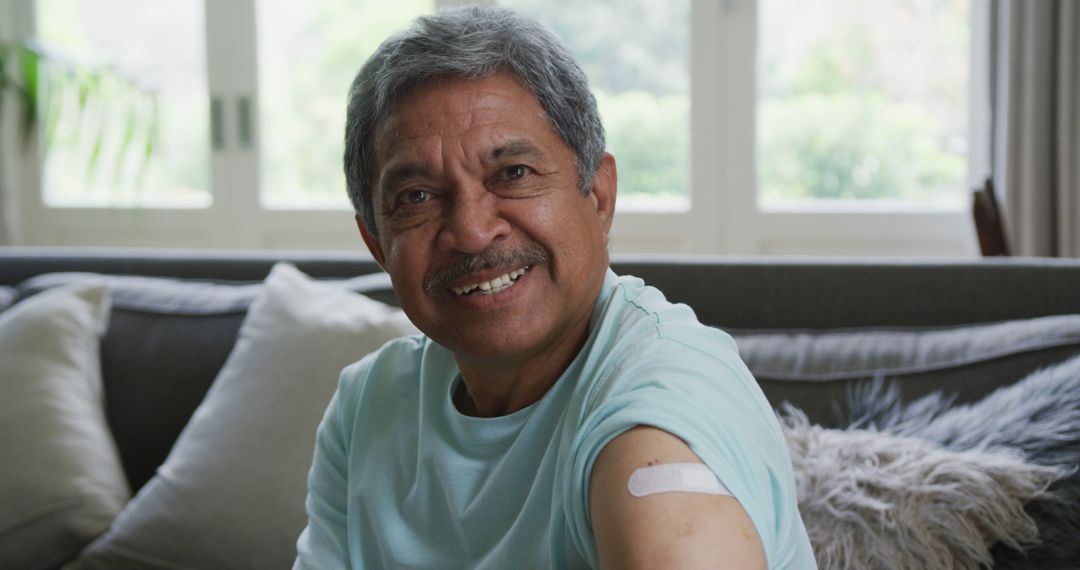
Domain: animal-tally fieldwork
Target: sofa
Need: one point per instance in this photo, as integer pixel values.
(827, 339)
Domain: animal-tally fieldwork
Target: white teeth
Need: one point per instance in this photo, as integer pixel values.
(494, 285)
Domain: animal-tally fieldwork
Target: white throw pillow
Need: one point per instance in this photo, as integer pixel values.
(231, 493)
(61, 482)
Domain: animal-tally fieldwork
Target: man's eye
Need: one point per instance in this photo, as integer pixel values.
(516, 172)
(414, 197)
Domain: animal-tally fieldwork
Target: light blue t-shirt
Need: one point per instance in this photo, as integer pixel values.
(401, 479)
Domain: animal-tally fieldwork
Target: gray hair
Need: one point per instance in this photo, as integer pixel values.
(472, 42)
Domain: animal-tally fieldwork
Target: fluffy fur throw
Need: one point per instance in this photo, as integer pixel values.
(1038, 418)
(930, 485)
(876, 500)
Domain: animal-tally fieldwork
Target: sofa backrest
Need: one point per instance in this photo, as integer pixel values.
(169, 338)
(725, 291)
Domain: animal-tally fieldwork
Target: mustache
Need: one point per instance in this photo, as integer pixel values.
(494, 258)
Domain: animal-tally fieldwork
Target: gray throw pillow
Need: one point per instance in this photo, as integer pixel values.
(818, 369)
(231, 493)
(61, 483)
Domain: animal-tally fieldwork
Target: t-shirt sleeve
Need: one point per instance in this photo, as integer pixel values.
(710, 400)
(324, 543)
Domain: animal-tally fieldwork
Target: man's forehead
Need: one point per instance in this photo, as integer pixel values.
(408, 124)
(495, 116)
(450, 105)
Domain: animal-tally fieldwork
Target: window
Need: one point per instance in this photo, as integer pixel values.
(744, 126)
(863, 102)
(847, 136)
(101, 127)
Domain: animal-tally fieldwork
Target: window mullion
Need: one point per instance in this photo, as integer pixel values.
(981, 110)
(735, 175)
(232, 78)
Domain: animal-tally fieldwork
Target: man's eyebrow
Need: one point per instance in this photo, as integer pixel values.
(402, 172)
(514, 150)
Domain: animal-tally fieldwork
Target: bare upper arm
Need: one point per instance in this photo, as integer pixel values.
(664, 530)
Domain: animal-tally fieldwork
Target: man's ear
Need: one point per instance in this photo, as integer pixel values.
(372, 242)
(605, 186)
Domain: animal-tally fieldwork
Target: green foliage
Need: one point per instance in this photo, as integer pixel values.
(649, 135)
(29, 67)
(835, 65)
(46, 84)
(20, 83)
(851, 146)
(623, 45)
(841, 122)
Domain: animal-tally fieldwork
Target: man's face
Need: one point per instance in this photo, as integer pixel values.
(493, 250)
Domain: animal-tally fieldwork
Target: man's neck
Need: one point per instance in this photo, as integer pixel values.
(492, 389)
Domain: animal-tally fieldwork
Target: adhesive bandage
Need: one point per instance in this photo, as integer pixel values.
(667, 477)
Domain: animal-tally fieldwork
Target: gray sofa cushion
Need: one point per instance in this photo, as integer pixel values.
(167, 340)
(817, 370)
(7, 295)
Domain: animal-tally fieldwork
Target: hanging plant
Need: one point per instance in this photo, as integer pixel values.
(22, 83)
(106, 105)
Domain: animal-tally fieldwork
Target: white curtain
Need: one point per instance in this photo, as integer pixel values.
(1036, 106)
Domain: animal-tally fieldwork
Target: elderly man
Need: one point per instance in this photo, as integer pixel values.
(553, 414)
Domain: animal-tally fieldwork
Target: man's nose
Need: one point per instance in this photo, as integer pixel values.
(473, 223)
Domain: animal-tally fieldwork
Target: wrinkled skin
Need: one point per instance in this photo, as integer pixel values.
(472, 183)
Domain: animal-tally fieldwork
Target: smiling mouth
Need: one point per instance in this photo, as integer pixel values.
(490, 287)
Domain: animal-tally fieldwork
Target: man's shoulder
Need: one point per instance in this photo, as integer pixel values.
(640, 320)
(648, 346)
